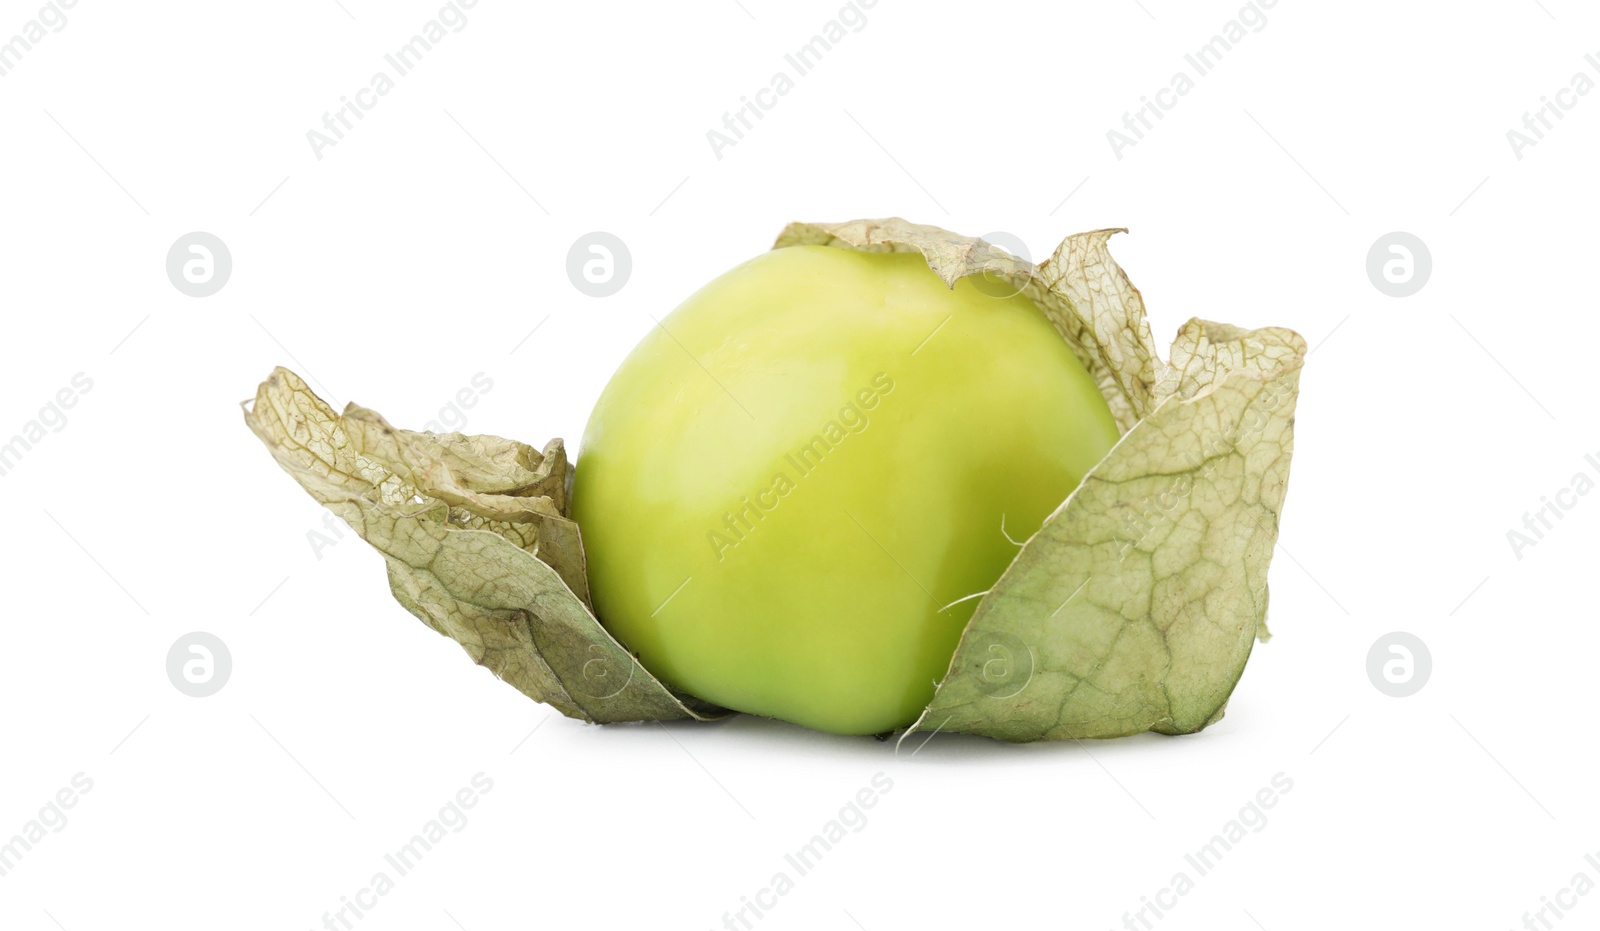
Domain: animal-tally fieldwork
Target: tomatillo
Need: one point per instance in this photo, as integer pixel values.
(790, 484)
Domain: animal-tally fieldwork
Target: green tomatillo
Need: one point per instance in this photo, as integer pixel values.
(791, 484)
(884, 477)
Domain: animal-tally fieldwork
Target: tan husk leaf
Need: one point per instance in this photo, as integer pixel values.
(1136, 605)
(474, 532)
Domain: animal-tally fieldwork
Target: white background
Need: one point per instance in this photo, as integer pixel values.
(423, 247)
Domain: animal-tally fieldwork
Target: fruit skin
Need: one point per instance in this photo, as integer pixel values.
(808, 586)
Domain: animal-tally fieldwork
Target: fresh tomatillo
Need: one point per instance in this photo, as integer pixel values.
(885, 477)
(792, 481)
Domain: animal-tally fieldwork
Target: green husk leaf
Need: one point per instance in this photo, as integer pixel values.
(478, 546)
(1136, 605)
(1080, 289)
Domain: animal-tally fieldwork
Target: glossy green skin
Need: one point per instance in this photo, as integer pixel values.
(810, 587)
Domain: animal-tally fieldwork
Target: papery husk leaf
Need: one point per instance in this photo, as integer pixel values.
(1095, 308)
(1136, 605)
(478, 546)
